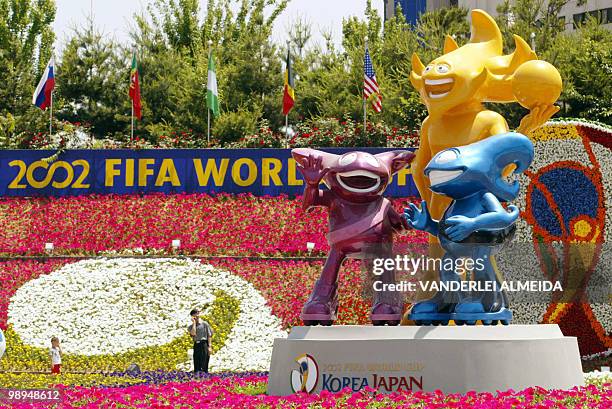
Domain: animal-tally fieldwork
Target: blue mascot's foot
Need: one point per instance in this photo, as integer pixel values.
(431, 313)
(472, 311)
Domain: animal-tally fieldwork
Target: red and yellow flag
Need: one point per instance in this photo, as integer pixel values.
(289, 93)
(135, 89)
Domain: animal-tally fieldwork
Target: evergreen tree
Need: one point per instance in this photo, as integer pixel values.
(174, 62)
(26, 41)
(93, 82)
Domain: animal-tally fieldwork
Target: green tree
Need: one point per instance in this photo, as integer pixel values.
(332, 80)
(300, 33)
(524, 17)
(333, 83)
(26, 41)
(173, 42)
(93, 82)
(435, 25)
(584, 58)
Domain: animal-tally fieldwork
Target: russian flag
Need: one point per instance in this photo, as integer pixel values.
(42, 95)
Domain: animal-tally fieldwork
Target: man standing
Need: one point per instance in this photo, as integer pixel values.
(201, 332)
(2, 344)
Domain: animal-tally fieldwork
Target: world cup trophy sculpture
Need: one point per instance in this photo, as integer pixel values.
(466, 149)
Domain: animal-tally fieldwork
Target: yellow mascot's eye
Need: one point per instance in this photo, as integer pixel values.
(442, 68)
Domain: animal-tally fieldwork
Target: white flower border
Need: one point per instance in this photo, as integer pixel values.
(101, 306)
(580, 122)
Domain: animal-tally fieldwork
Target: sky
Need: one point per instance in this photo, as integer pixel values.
(113, 17)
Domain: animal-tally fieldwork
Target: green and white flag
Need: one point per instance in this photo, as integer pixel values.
(212, 94)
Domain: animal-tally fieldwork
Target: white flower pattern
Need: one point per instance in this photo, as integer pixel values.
(104, 306)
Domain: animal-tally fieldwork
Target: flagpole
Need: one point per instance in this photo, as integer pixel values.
(132, 99)
(288, 81)
(287, 131)
(132, 132)
(51, 96)
(51, 115)
(365, 113)
(365, 101)
(210, 42)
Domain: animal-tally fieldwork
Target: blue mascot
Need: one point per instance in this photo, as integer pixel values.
(474, 226)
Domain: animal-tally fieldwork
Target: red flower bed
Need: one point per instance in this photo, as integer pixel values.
(206, 225)
(286, 286)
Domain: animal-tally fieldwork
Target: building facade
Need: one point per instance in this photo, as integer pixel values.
(571, 14)
(414, 8)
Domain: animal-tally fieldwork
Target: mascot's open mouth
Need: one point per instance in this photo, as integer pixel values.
(439, 88)
(359, 181)
(437, 177)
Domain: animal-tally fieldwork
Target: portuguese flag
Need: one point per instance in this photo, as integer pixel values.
(289, 93)
(135, 89)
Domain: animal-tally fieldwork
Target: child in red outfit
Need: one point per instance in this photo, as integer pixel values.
(55, 352)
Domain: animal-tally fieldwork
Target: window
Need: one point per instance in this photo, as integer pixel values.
(579, 19)
(603, 16)
(561, 22)
(595, 14)
(606, 16)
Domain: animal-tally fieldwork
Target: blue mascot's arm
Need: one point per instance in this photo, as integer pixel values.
(496, 218)
(420, 219)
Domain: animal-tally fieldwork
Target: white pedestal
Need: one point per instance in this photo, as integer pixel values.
(452, 359)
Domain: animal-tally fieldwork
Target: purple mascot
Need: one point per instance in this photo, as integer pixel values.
(361, 223)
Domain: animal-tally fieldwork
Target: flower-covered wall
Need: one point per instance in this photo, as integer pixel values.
(566, 202)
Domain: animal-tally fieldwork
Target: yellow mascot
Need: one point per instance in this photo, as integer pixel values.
(454, 86)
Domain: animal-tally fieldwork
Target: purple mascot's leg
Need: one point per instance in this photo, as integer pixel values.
(322, 306)
(387, 306)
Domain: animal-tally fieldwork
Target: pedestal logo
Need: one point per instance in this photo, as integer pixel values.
(305, 378)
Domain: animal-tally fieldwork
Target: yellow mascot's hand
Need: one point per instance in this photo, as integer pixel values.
(537, 117)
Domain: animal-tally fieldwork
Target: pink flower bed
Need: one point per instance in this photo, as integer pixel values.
(207, 225)
(230, 392)
(286, 286)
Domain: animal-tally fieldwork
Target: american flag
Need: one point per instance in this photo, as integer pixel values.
(370, 85)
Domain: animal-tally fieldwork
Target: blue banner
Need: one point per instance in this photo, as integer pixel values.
(81, 172)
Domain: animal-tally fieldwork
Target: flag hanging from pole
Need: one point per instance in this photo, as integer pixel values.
(135, 89)
(212, 93)
(289, 93)
(370, 85)
(42, 95)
